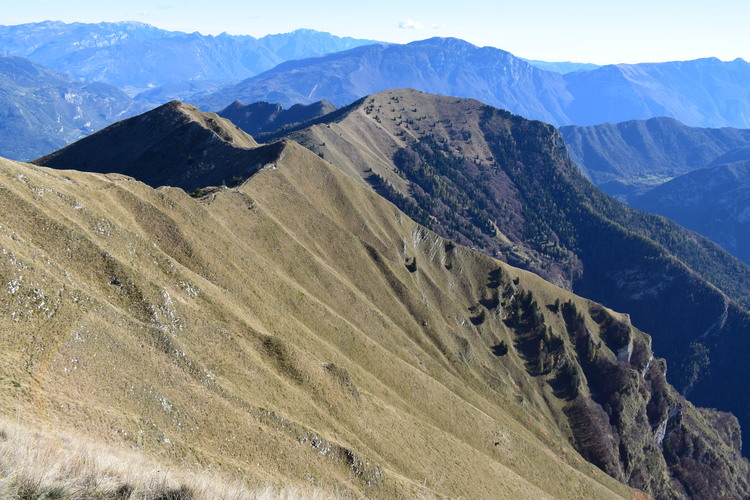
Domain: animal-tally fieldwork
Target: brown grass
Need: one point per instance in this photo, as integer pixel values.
(262, 337)
(35, 464)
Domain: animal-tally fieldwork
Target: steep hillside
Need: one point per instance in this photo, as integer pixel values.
(505, 185)
(704, 92)
(298, 328)
(264, 117)
(137, 57)
(634, 155)
(711, 201)
(173, 145)
(42, 110)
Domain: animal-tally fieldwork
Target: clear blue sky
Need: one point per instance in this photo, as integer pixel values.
(599, 31)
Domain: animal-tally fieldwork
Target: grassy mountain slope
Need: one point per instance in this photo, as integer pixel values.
(505, 185)
(342, 341)
(43, 110)
(624, 157)
(273, 329)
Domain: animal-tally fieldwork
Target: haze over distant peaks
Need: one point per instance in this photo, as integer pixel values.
(562, 66)
(694, 92)
(630, 156)
(43, 110)
(137, 56)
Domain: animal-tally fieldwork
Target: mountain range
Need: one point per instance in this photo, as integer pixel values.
(63, 81)
(137, 57)
(637, 155)
(42, 110)
(703, 92)
(379, 293)
(155, 66)
(712, 201)
(298, 326)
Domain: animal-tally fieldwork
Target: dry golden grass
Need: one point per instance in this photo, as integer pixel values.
(35, 464)
(278, 332)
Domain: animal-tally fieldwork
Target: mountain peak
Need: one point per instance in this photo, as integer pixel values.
(175, 144)
(447, 42)
(222, 129)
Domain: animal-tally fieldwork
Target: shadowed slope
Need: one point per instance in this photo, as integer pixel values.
(712, 201)
(263, 117)
(174, 144)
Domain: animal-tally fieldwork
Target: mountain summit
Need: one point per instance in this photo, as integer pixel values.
(173, 145)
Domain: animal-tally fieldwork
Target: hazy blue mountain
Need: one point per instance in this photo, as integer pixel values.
(712, 201)
(187, 91)
(626, 157)
(742, 153)
(446, 66)
(137, 56)
(704, 92)
(561, 66)
(262, 117)
(42, 110)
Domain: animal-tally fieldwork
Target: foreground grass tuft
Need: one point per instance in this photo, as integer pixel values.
(46, 466)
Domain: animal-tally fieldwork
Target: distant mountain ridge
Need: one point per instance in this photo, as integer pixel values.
(42, 110)
(638, 154)
(447, 66)
(136, 56)
(562, 67)
(703, 92)
(714, 202)
(263, 117)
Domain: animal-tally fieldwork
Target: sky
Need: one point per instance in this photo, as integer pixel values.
(595, 31)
